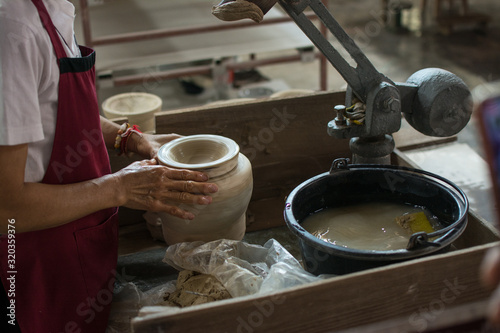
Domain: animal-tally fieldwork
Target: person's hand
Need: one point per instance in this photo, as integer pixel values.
(145, 185)
(148, 145)
(490, 275)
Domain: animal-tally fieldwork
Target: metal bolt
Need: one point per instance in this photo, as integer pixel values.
(392, 105)
(340, 119)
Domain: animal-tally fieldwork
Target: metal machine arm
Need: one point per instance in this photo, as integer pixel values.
(434, 101)
(362, 78)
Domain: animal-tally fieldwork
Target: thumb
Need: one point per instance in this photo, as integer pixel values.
(150, 162)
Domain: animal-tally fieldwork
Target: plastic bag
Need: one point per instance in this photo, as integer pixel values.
(242, 268)
(128, 300)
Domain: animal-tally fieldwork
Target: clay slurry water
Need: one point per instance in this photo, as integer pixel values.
(370, 226)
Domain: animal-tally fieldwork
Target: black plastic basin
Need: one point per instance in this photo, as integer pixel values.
(354, 184)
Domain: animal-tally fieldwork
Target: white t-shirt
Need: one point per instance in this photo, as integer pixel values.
(29, 78)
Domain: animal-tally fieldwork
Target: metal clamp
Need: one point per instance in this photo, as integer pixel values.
(339, 164)
(420, 239)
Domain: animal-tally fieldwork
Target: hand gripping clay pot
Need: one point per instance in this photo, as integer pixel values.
(220, 158)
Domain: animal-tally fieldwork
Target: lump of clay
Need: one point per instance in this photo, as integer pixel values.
(194, 288)
(237, 10)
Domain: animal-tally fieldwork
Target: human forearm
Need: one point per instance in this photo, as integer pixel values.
(37, 206)
(145, 145)
(109, 131)
(142, 185)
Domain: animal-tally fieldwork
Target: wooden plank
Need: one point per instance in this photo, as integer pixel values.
(473, 175)
(484, 232)
(136, 238)
(470, 317)
(408, 138)
(412, 289)
(285, 139)
(267, 130)
(265, 213)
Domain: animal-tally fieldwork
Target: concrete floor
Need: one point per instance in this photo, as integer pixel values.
(472, 55)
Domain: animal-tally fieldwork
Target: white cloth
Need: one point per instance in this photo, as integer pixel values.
(30, 77)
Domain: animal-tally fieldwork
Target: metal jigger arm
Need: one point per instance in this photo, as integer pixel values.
(362, 78)
(434, 101)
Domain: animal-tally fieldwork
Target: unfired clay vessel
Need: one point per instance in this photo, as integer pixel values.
(139, 108)
(221, 159)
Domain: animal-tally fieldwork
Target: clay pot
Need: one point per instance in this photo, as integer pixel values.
(220, 158)
(139, 108)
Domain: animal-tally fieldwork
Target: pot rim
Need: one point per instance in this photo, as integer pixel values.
(231, 156)
(445, 235)
(106, 105)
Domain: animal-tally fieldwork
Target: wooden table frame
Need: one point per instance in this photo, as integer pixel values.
(386, 299)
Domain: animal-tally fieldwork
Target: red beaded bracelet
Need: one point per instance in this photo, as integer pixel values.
(122, 136)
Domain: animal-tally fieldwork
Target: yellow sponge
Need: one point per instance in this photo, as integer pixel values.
(415, 222)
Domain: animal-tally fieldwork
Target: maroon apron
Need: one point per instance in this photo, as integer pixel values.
(64, 276)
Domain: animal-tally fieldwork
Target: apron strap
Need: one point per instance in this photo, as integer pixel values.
(51, 29)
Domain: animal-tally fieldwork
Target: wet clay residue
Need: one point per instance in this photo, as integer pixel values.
(195, 288)
(238, 10)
